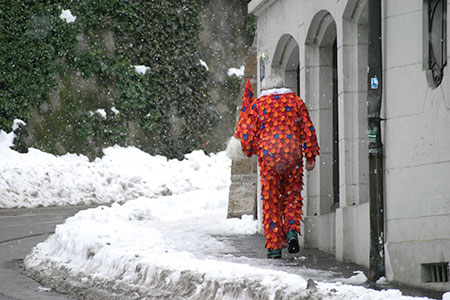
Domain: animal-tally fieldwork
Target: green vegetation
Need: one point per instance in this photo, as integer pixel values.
(61, 73)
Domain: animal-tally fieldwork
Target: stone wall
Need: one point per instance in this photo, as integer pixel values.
(224, 45)
(224, 42)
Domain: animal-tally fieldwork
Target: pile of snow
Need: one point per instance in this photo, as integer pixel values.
(141, 69)
(101, 112)
(67, 16)
(238, 72)
(358, 278)
(41, 179)
(158, 240)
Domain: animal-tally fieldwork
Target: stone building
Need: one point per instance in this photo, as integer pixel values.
(321, 48)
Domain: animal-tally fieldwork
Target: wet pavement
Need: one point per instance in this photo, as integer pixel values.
(310, 264)
(21, 230)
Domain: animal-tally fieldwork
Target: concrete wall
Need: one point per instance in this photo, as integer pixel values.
(417, 147)
(415, 133)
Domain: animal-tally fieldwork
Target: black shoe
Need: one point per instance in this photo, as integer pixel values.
(276, 253)
(293, 246)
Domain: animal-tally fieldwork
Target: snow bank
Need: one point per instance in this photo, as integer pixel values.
(166, 248)
(140, 249)
(41, 179)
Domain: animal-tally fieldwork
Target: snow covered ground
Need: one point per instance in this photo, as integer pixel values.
(158, 239)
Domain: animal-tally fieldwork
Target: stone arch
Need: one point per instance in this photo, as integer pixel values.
(322, 31)
(286, 62)
(356, 12)
(322, 98)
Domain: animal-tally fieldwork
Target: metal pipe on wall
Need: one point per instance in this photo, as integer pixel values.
(376, 154)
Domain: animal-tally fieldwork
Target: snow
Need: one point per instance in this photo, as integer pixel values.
(17, 123)
(141, 69)
(42, 179)
(67, 16)
(446, 296)
(358, 278)
(203, 63)
(100, 112)
(158, 238)
(115, 110)
(382, 281)
(238, 72)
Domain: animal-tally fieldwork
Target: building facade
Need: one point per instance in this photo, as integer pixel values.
(320, 47)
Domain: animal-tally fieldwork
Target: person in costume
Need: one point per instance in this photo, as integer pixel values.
(277, 128)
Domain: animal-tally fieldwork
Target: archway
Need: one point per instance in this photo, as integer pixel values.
(321, 82)
(286, 62)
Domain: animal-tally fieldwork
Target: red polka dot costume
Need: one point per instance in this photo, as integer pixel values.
(278, 129)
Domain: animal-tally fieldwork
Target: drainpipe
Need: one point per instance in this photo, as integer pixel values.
(376, 172)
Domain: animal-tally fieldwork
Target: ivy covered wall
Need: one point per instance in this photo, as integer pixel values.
(226, 35)
(75, 84)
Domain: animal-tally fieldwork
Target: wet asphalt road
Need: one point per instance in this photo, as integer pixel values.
(20, 230)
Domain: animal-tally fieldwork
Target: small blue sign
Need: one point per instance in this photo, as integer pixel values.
(374, 83)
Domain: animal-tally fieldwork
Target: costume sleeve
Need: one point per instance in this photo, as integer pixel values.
(246, 128)
(308, 133)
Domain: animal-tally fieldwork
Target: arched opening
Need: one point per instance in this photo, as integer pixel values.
(286, 62)
(322, 95)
